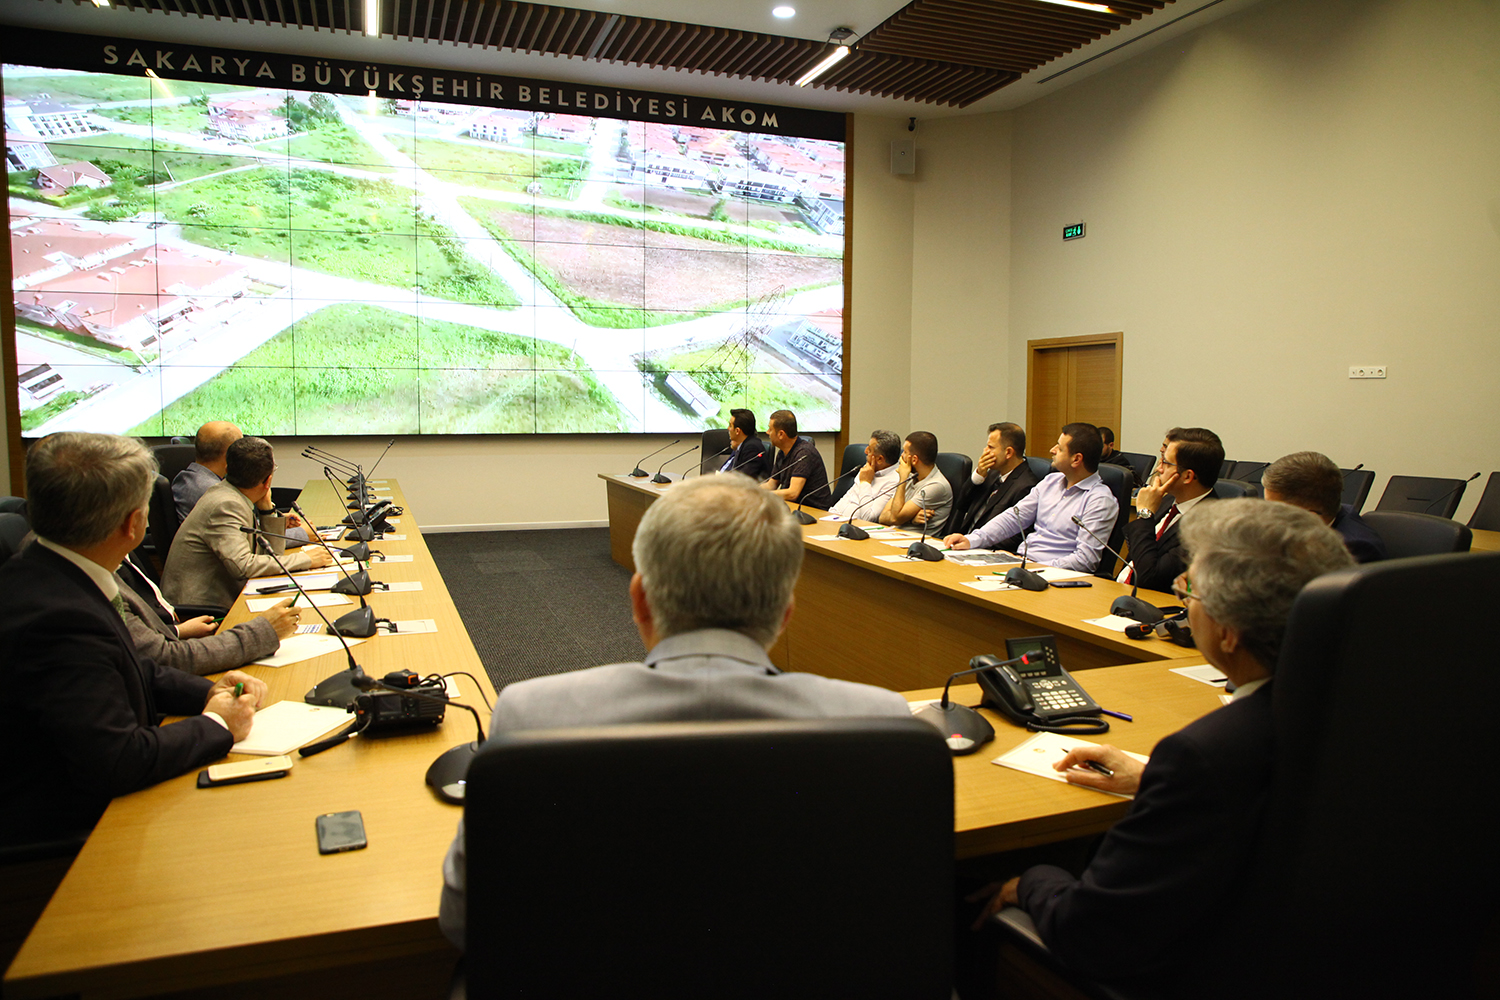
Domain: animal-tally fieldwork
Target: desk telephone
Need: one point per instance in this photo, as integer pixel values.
(1044, 698)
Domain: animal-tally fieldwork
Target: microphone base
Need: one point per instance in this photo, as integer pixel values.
(854, 531)
(447, 774)
(659, 478)
(359, 552)
(964, 729)
(921, 550)
(803, 517)
(640, 473)
(357, 624)
(1127, 606)
(337, 691)
(355, 585)
(1025, 579)
(360, 533)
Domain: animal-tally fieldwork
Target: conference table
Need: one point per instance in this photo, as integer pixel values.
(222, 892)
(1485, 541)
(909, 624)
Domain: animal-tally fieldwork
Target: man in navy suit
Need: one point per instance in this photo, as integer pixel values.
(1149, 908)
(1184, 477)
(81, 707)
(1000, 480)
(747, 454)
(1311, 481)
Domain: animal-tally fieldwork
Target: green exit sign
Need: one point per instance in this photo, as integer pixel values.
(1073, 232)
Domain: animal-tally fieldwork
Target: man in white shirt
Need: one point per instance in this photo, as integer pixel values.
(926, 502)
(875, 481)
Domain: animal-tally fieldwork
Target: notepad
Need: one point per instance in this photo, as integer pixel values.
(287, 725)
(259, 604)
(1203, 673)
(1038, 754)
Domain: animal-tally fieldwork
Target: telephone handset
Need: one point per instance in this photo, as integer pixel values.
(1042, 697)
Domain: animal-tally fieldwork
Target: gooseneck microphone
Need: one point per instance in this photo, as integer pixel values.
(920, 549)
(659, 478)
(965, 729)
(641, 473)
(360, 622)
(853, 531)
(360, 530)
(356, 586)
(1020, 576)
(722, 451)
(1127, 605)
(1445, 496)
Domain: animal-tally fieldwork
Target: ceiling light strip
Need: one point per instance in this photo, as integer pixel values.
(829, 61)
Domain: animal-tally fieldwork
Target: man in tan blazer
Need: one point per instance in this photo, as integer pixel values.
(211, 556)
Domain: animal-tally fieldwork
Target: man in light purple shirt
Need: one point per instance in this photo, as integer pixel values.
(1074, 489)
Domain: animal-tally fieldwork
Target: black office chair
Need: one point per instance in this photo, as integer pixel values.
(1313, 901)
(1121, 482)
(1229, 489)
(1406, 534)
(1141, 464)
(1249, 472)
(1226, 469)
(13, 505)
(173, 458)
(789, 859)
(854, 457)
(1422, 495)
(1486, 516)
(714, 450)
(161, 529)
(1357, 483)
(1040, 467)
(13, 528)
(958, 469)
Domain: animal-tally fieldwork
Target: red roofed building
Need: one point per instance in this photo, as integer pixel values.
(500, 126)
(569, 128)
(26, 153)
(44, 249)
(134, 301)
(247, 117)
(66, 176)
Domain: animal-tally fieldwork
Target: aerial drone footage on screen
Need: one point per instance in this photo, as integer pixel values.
(309, 262)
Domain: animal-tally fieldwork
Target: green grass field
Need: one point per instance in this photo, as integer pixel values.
(468, 380)
(335, 142)
(171, 117)
(92, 88)
(725, 373)
(36, 417)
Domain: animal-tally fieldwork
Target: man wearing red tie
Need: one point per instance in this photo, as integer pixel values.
(1184, 477)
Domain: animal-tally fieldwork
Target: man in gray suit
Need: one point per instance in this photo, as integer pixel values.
(194, 645)
(716, 563)
(210, 446)
(211, 556)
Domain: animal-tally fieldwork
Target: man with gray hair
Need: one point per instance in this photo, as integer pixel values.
(716, 563)
(1151, 904)
(78, 698)
(875, 481)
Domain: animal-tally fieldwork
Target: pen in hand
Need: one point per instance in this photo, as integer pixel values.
(1096, 767)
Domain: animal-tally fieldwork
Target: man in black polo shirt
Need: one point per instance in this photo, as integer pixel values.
(797, 471)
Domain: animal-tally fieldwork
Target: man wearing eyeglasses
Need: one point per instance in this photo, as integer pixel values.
(1184, 477)
(1152, 902)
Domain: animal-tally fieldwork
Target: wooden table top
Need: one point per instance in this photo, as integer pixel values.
(189, 886)
(999, 809)
(1485, 541)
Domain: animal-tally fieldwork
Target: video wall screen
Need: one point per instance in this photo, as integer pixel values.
(312, 263)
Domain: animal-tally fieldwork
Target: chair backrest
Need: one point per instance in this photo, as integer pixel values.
(1407, 534)
(1141, 464)
(161, 524)
(13, 528)
(1121, 482)
(958, 469)
(13, 505)
(1249, 472)
(1357, 483)
(173, 458)
(1486, 516)
(854, 458)
(1040, 467)
(808, 858)
(1422, 495)
(1229, 489)
(1317, 905)
(711, 453)
(1226, 469)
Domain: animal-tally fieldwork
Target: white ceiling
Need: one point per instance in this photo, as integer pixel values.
(814, 19)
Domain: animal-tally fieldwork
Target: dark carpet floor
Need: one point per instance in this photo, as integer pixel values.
(539, 602)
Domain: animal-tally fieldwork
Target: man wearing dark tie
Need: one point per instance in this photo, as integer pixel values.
(1000, 481)
(1184, 477)
(747, 454)
(80, 705)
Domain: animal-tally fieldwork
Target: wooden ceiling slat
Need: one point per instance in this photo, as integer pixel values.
(618, 44)
(442, 34)
(489, 33)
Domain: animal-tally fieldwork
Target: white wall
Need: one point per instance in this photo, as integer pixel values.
(1273, 198)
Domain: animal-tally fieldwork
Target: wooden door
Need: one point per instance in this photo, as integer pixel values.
(1071, 379)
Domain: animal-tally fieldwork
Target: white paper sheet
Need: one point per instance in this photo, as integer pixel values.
(1203, 673)
(259, 604)
(309, 581)
(287, 725)
(296, 648)
(415, 626)
(390, 538)
(1115, 623)
(391, 559)
(403, 586)
(1038, 754)
(989, 586)
(1049, 574)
